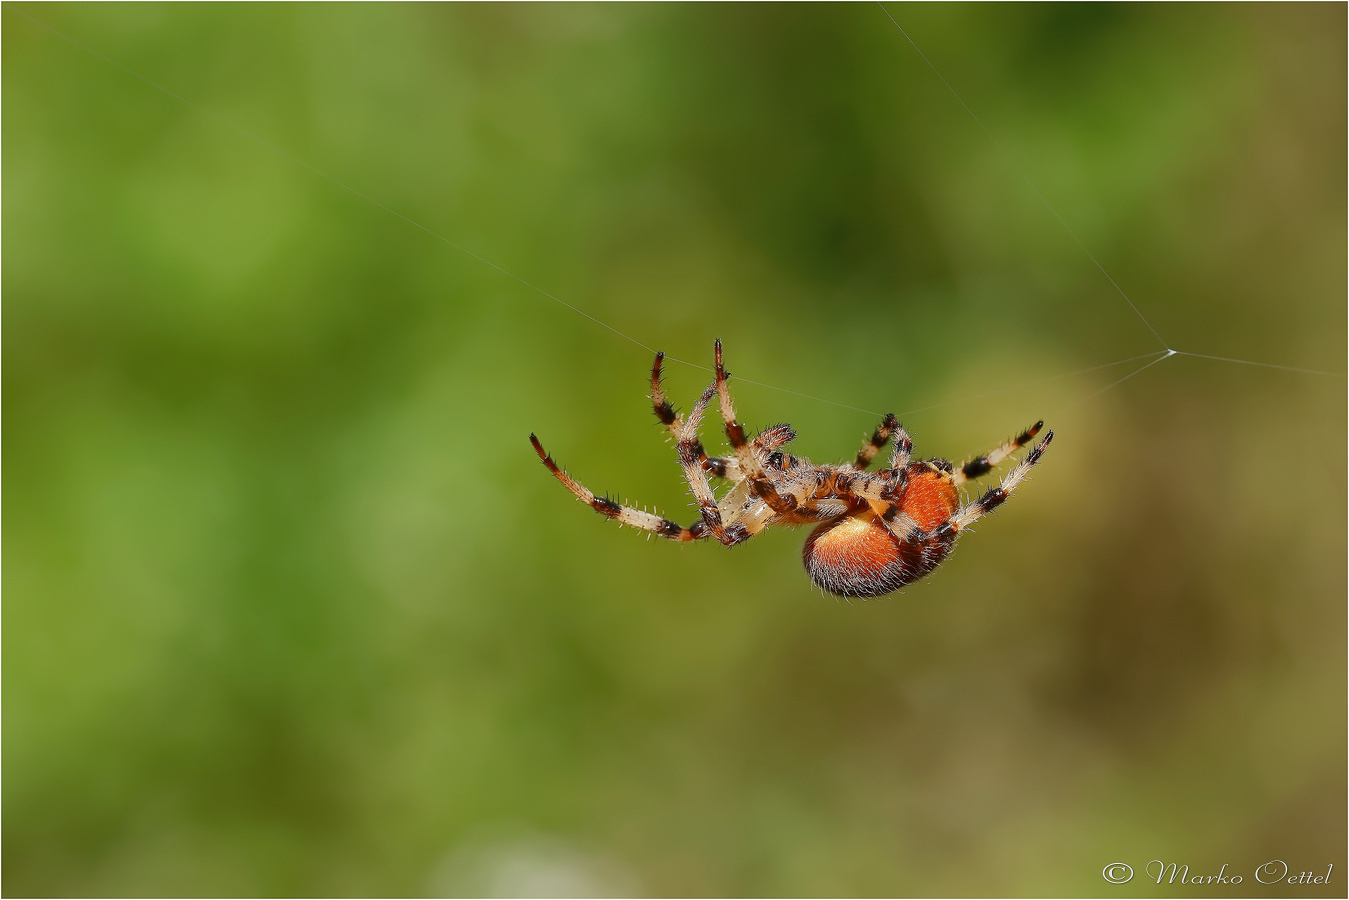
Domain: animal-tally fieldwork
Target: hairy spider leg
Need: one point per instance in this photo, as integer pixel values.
(901, 451)
(878, 439)
(774, 437)
(687, 445)
(626, 515)
(770, 439)
(981, 465)
(669, 417)
(994, 497)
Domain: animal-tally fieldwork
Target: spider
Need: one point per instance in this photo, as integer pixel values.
(874, 533)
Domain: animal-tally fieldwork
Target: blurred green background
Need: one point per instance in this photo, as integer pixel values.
(291, 607)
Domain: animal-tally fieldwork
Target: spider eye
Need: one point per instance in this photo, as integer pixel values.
(775, 459)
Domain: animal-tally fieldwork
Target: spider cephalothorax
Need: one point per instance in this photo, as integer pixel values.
(874, 533)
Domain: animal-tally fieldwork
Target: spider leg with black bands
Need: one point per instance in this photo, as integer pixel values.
(747, 454)
(735, 432)
(877, 441)
(697, 478)
(669, 417)
(901, 451)
(994, 497)
(624, 514)
(981, 465)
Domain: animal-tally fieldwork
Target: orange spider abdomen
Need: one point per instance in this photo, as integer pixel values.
(929, 497)
(858, 556)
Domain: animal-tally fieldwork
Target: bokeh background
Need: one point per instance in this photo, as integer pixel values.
(290, 607)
